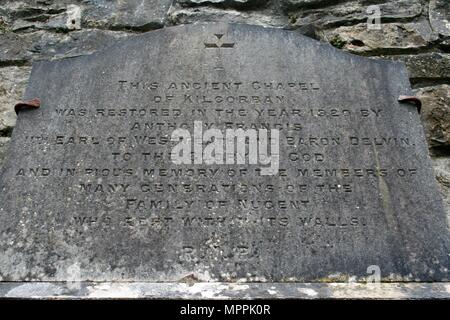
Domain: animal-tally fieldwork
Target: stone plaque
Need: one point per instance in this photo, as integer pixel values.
(111, 179)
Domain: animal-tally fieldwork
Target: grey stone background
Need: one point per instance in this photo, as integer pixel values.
(414, 31)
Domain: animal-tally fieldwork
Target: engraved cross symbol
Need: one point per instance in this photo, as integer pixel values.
(219, 42)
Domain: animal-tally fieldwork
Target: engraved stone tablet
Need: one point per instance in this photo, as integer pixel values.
(111, 180)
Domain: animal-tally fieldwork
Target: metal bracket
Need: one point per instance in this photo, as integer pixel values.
(411, 99)
(28, 104)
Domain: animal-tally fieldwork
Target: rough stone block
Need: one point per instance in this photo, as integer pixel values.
(13, 81)
(391, 38)
(436, 115)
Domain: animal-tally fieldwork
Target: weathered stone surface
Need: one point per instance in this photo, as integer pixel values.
(440, 16)
(37, 9)
(67, 20)
(5, 24)
(391, 38)
(134, 15)
(13, 81)
(302, 4)
(89, 191)
(50, 15)
(242, 4)
(4, 143)
(268, 17)
(350, 13)
(427, 67)
(14, 49)
(442, 172)
(23, 48)
(70, 15)
(76, 43)
(436, 114)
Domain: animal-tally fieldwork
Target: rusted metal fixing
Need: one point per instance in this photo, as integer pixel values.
(413, 100)
(28, 104)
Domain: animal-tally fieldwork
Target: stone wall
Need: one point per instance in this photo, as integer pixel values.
(416, 32)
